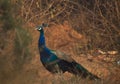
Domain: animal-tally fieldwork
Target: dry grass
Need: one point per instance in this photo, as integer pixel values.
(96, 27)
(98, 20)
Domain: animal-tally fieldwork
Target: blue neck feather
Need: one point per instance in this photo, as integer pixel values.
(41, 39)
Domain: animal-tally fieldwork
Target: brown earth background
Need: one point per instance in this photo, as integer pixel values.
(86, 30)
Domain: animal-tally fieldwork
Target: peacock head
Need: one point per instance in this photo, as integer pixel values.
(41, 27)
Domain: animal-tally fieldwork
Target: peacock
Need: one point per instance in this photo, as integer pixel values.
(56, 61)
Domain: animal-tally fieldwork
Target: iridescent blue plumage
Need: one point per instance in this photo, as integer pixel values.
(59, 62)
(41, 41)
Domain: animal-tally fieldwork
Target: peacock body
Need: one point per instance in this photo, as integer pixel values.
(56, 61)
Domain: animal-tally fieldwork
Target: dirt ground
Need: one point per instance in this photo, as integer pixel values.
(67, 40)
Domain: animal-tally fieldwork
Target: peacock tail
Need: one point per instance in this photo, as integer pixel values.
(84, 73)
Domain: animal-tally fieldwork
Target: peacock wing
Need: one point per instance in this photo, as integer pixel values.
(62, 56)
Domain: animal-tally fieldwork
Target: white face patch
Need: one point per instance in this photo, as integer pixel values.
(40, 28)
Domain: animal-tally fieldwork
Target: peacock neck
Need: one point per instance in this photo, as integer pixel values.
(41, 42)
(41, 32)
